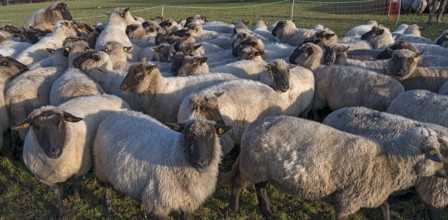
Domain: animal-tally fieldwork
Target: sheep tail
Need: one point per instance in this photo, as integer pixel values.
(226, 178)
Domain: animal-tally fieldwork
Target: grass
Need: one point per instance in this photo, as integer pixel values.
(22, 196)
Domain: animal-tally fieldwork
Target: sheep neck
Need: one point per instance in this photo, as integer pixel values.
(156, 82)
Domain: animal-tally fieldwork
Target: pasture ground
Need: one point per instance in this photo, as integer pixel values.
(22, 196)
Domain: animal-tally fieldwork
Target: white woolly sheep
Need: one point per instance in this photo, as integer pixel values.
(359, 30)
(379, 37)
(161, 96)
(287, 32)
(190, 161)
(384, 126)
(335, 83)
(56, 149)
(115, 30)
(44, 19)
(189, 65)
(62, 29)
(316, 162)
(431, 106)
(31, 90)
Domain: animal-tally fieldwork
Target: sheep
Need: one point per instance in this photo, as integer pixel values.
(431, 106)
(438, 6)
(62, 29)
(419, 6)
(58, 144)
(431, 49)
(31, 90)
(190, 161)
(9, 46)
(379, 37)
(73, 83)
(98, 65)
(115, 30)
(261, 29)
(306, 162)
(117, 52)
(370, 54)
(335, 83)
(413, 77)
(287, 32)
(9, 68)
(161, 96)
(413, 29)
(359, 30)
(44, 19)
(189, 65)
(383, 126)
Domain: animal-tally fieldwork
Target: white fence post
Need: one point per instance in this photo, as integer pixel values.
(292, 10)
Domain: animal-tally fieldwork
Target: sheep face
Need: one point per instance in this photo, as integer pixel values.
(250, 53)
(135, 31)
(116, 51)
(403, 63)
(163, 53)
(305, 54)
(397, 46)
(375, 31)
(151, 28)
(206, 106)
(199, 139)
(84, 29)
(49, 129)
(92, 60)
(118, 17)
(10, 67)
(325, 36)
(186, 48)
(279, 73)
(333, 54)
(189, 65)
(62, 10)
(278, 27)
(139, 78)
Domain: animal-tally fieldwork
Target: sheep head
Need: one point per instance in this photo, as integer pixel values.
(49, 128)
(279, 75)
(139, 77)
(10, 67)
(199, 138)
(61, 10)
(163, 53)
(93, 60)
(190, 65)
(117, 52)
(403, 63)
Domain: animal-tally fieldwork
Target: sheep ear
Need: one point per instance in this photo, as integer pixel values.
(155, 49)
(51, 50)
(126, 9)
(434, 155)
(197, 46)
(203, 60)
(345, 49)
(179, 127)
(70, 118)
(221, 129)
(309, 51)
(126, 49)
(150, 68)
(268, 68)
(292, 66)
(23, 125)
(329, 35)
(418, 54)
(218, 94)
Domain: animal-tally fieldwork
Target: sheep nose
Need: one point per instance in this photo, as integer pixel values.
(96, 57)
(54, 152)
(201, 166)
(284, 88)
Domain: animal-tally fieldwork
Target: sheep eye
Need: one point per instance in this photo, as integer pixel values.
(125, 49)
(65, 24)
(122, 15)
(67, 50)
(203, 108)
(106, 50)
(86, 49)
(4, 63)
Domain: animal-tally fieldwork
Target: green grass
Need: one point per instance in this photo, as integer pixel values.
(22, 196)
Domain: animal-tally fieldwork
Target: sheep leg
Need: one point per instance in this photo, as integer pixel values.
(15, 143)
(76, 184)
(108, 196)
(385, 211)
(263, 199)
(439, 15)
(431, 13)
(434, 213)
(237, 187)
(58, 196)
(185, 216)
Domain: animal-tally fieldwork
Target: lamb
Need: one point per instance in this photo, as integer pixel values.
(98, 65)
(359, 30)
(190, 161)
(44, 19)
(9, 68)
(431, 106)
(161, 96)
(335, 83)
(58, 144)
(384, 126)
(307, 162)
(31, 90)
(287, 32)
(62, 29)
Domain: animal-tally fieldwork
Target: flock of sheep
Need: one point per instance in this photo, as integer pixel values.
(153, 106)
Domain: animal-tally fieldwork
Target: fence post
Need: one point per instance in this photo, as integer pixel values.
(163, 9)
(292, 10)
